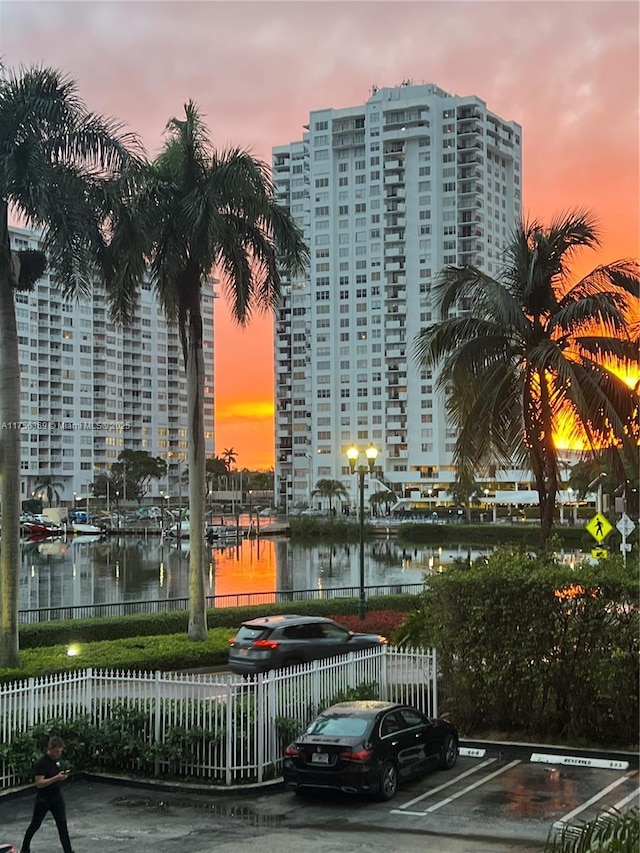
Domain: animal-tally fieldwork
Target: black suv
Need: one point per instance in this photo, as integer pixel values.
(276, 641)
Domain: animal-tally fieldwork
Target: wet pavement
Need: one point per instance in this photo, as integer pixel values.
(103, 817)
(496, 802)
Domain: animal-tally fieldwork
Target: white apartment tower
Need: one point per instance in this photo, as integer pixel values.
(90, 389)
(387, 193)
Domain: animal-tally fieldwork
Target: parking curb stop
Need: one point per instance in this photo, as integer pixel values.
(579, 761)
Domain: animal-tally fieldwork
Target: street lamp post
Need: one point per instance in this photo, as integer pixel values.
(310, 460)
(352, 455)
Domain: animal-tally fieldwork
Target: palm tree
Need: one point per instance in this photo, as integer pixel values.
(463, 491)
(203, 210)
(330, 489)
(62, 169)
(533, 347)
(229, 455)
(48, 487)
(385, 498)
(215, 468)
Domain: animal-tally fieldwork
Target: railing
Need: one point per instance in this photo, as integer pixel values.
(240, 720)
(243, 599)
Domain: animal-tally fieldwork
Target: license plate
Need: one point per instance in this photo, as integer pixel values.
(244, 652)
(320, 758)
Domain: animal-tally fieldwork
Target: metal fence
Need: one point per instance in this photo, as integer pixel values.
(236, 729)
(164, 605)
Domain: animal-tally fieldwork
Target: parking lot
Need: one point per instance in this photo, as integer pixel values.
(496, 799)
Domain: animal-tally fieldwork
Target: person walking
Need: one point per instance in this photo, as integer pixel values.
(49, 777)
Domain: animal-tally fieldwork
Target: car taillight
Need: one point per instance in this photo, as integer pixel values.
(292, 751)
(382, 640)
(232, 640)
(360, 755)
(265, 644)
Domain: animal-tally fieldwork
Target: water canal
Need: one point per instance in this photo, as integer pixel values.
(85, 570)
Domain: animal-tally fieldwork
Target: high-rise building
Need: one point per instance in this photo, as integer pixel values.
(90, 389)
(387, 193)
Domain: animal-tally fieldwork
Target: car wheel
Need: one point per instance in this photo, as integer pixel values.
(448, 753)
(388, 781)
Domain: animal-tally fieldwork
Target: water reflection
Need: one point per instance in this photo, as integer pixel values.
(86, 570)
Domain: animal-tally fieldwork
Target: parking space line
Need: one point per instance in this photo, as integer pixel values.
(477, 784)
(448, 784)
(570, 815)
(623, 802)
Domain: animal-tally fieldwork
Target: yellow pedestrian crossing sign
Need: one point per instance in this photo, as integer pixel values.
(599, 527)
(599, 553)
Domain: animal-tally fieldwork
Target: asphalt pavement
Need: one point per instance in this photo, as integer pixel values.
(108, 817)
(499, 798)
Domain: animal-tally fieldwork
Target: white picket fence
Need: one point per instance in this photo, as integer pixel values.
(237, 729)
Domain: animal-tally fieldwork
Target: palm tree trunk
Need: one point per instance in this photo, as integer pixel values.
(538, 431)
(549, 460)
(9, 456)
(197, 461)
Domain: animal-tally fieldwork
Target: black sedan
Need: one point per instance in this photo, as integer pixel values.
(368, 747)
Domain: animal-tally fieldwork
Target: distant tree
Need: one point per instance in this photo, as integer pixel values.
(215, 468)
(134, 471)
(262, 481)
(384, 498)
(229, 455)
(617, 482)
(463, 491)
(330, 489)
(48, 488)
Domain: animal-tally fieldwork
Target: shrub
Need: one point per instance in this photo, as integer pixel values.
(68, 631)
(610, 832)
(384, 622)
(528, 644)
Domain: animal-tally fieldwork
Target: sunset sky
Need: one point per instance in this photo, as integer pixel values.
(566, 71)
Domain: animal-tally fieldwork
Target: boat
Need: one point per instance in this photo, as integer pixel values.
(40, 529)
(213, 532)
(222, 533)
(179, 530)
(85, 528)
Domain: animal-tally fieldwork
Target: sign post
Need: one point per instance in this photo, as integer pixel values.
(599, 527)
(626, 527)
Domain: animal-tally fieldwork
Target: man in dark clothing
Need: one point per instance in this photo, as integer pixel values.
(49, 777)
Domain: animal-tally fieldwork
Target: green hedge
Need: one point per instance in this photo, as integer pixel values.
(68, 631)
(135, 649)
(529, 645)
(484, 535)
(165, 652)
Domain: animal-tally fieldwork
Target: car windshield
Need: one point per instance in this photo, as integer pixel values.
(342, 726)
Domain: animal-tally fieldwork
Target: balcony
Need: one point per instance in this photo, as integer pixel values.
(392, 324)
